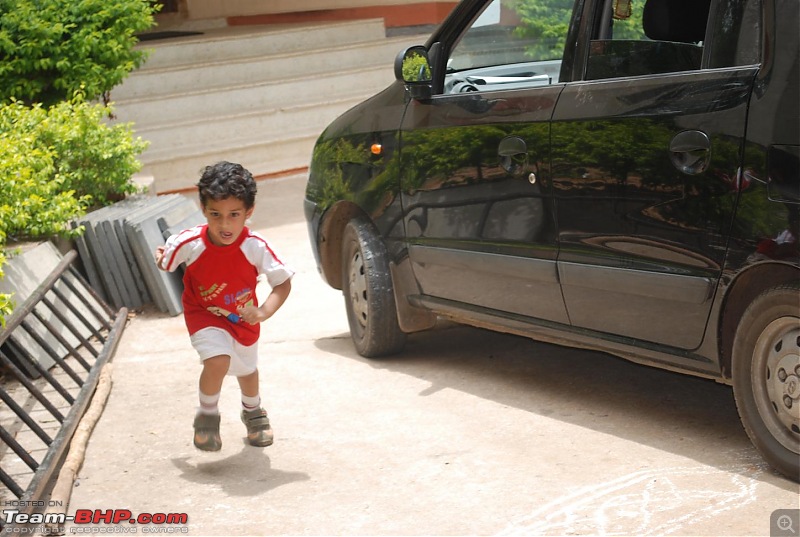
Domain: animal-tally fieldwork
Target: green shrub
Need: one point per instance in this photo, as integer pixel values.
(88, 157)
(93, 158)
(57, 162)
(51, 48)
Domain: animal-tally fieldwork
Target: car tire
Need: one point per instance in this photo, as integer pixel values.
(368, 292)
(766, 376)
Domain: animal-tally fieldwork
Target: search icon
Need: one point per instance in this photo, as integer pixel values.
(785, 523)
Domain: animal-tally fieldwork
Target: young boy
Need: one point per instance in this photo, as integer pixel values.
(223, 260)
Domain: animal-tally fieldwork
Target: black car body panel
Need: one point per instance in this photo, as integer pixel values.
(632, 195)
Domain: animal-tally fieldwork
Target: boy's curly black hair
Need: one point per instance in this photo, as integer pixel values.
(225, 180)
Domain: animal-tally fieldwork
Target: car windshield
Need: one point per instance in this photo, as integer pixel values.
(524, 31)
(513, 31)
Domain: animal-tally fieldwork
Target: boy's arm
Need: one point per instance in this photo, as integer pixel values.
(159, 256)
(276, 298)
(179, 248)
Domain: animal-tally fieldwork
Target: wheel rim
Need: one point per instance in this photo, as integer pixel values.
(776, 380)
(358, 289)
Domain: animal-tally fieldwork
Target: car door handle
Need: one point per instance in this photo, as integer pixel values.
(690, 152)
(513, 153)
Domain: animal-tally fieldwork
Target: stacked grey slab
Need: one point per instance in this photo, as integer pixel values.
(117, 247)
(52, 330)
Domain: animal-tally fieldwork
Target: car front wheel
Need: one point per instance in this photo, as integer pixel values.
(368, 292)
(766, 376)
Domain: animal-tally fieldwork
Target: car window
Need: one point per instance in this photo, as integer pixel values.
(643, 37)
(735, 34)
(510, 44)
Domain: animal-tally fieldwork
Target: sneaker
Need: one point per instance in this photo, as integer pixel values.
(206, 432)
(259, 433)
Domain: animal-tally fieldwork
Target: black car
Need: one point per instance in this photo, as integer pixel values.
(621, 175)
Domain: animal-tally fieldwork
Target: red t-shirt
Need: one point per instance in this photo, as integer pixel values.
(218, 280)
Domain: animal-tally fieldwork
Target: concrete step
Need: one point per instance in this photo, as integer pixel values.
(266, 125)
(255, 95)
(156, 83)
(257, 144)
(233, 43)
(261, 158)
(220, 102)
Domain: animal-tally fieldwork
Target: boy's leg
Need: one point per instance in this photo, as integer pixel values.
(249, 384)
(206, 422)
(213, 374)
(259, 432)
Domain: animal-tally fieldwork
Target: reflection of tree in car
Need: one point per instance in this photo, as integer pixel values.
(433, 157)
(614, 150)
(346, 165)
(416, 68)
(631, 156)
(461, 155)
(713, 209)
(328, 163)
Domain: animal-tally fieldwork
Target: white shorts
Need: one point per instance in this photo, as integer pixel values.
(210, 342)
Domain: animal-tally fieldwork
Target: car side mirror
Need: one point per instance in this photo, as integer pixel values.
(412, 66)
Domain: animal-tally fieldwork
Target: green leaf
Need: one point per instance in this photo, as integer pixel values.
(50, 48)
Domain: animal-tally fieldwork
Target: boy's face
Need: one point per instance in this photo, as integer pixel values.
(226, 219)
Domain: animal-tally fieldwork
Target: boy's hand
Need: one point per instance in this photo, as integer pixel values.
(159, 256)
(252, 315)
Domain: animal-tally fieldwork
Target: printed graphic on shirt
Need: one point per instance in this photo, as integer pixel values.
(237, 300)
(232, 317)
(212, 292)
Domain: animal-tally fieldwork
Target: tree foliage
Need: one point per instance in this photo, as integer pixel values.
(58, 156)
(544, 26)
(51, 48)
(545, 23)
(55, 163)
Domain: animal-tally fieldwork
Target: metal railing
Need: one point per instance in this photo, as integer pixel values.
(48, 385)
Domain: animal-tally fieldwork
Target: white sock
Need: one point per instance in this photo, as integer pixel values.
(209, 404)
(251, 403)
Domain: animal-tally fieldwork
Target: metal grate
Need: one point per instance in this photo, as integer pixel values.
(51, 353)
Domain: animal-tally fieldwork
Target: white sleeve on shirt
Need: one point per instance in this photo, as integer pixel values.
(184, 247)
(259, 252)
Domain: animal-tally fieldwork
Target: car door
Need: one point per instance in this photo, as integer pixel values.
(476, 190)
(646, 163)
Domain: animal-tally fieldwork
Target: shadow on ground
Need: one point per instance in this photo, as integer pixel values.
(248, 473)
(681, 414)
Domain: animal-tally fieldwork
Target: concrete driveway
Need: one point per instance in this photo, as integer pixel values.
(467, 432)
